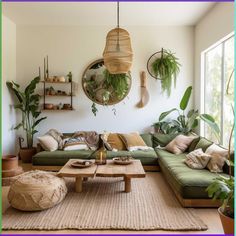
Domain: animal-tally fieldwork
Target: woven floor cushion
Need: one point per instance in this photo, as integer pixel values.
(36, 191)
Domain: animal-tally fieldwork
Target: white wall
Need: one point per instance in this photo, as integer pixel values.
(72, 48)
(218, 23)
(8, 74)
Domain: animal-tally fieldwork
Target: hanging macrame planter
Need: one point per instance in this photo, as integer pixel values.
(118, 54)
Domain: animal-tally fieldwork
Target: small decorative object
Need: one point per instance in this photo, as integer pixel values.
(66, 106)
(123, 160)
(46, 70)
(30, 114)
(81, 164)
(118, 54)
(48, 106)
(163, 65)
(102, 87)
(60, 106)
(47, 91)
(52, 91)
(101, 154)
(69, 77)
(61, 79)
(144, 93)
(55, 78)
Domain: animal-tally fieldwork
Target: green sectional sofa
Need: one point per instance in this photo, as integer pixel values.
(188, 184)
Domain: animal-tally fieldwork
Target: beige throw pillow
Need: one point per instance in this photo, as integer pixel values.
(218, 158)
(179, 144)
(134, 142)
(197, 159)
(48, 143)
(104, 138)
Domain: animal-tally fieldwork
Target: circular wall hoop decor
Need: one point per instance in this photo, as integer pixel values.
(102, 87)
(150, 61)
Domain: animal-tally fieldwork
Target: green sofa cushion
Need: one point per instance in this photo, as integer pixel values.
(59, 158)
(147, 138)
(193, 144)
(203, 143)
(148, 157)
(162, 139)
(190, 183)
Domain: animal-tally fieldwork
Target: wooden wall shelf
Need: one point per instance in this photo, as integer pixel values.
(53, 82)
(59, 109)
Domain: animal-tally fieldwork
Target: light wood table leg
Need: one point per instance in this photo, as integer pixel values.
(127, 184)
(78, 184)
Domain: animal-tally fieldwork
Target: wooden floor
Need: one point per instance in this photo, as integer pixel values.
(209, 216)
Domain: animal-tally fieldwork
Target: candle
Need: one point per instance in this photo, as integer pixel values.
(39, 74)
(44, 68)
(47, 68)
(100, 155)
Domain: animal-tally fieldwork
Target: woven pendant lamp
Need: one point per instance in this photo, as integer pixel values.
(118, 54)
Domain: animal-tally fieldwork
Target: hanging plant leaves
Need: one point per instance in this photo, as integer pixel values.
(166, 68)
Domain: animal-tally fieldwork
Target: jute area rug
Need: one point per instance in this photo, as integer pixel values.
(151, 205)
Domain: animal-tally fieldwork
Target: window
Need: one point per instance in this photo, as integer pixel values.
(219, 67)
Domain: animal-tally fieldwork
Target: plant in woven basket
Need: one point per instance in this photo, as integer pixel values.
(166, 68)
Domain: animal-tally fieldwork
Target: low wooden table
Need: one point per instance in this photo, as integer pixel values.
(133, 170)
(78, 173)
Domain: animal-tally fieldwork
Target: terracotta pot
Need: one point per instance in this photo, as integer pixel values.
(12, 173)
(227, 223)
(9, 162)
(26, 154)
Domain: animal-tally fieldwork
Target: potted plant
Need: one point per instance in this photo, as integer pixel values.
(28, 104)
(166, 68)
(222, 187)
(114, 86)
(184, 123)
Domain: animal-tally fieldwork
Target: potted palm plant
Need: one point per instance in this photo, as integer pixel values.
(28, 104)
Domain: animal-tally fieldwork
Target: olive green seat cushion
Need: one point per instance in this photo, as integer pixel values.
(59, 158)
(147, 157)
(189, 183)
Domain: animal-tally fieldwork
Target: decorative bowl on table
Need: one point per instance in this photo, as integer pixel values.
(81, 164)
(122, 160)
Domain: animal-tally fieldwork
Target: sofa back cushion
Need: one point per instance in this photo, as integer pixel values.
(116, 142)
(203, 143)
(162, 139)
(147, 138)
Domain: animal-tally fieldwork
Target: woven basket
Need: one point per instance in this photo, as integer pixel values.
(118, 54)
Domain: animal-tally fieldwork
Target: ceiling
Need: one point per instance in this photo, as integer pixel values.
(104, 13)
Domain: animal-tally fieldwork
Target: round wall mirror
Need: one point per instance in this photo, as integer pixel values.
(102, 87)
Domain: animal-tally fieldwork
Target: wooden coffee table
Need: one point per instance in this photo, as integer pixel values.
(133, 170)
(77, 173)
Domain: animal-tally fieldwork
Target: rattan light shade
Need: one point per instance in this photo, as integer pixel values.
(118, 54)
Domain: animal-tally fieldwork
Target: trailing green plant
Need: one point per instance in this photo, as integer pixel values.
(113, 85)
(28, 104)
(166, 68)
(116, 83)
(185, 123)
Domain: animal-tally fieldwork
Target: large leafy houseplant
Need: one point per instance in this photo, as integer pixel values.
(28, 104)
(222, 188)
(166, 68)
(185, 122)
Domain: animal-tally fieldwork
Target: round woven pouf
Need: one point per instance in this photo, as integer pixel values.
(36, 191)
